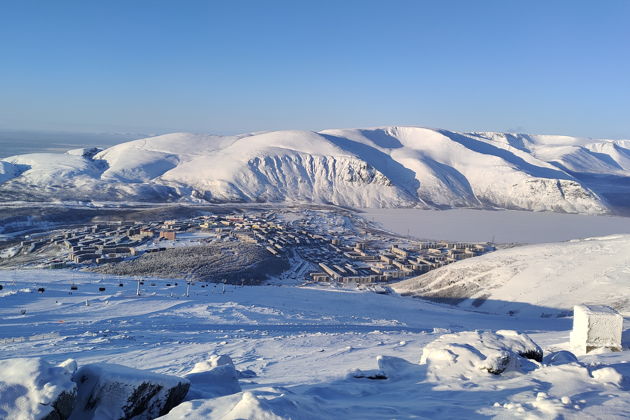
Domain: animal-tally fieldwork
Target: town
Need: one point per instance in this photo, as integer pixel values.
(322, 246)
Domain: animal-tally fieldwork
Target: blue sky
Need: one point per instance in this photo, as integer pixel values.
(235, 66)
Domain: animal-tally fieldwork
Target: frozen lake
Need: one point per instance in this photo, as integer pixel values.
(503, 225)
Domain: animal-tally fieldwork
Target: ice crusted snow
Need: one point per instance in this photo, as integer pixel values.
(308, 352)
(35, 389)
(542, 280)
(596, 327)
(376, 167)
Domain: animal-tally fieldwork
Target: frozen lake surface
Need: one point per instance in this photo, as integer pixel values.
(503, 225)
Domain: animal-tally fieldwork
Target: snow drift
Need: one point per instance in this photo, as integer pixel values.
(456, 368)
(379, 167)
(468, 353)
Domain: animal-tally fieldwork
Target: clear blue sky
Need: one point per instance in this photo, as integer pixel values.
(234, 66)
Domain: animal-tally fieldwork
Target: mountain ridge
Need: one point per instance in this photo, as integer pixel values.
(395, 166)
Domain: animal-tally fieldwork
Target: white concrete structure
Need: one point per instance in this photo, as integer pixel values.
(596, 327)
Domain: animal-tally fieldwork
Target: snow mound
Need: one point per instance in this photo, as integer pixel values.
(250, 405)
(108, 391)
(35, 389)
(213, 361)
(470, 353)
(213, 378)
(607, 375)
(559, 358)
(516, 281)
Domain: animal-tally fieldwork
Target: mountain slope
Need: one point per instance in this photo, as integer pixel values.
(538, 279)
(379, 167)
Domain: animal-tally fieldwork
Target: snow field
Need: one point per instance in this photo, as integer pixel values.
(305, 346)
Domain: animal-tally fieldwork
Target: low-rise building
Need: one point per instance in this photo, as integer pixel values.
(168, 235)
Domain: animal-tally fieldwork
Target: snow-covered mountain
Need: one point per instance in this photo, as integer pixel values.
(377, 167)
(544, 279)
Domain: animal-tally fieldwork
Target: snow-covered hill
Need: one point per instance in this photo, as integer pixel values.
(379, 167)
(545, 279)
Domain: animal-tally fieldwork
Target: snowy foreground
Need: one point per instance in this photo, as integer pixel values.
(312, 350)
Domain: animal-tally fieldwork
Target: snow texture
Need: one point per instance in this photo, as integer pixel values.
(35, 389)
(471, 353)
(376, 167)
(596, 327)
